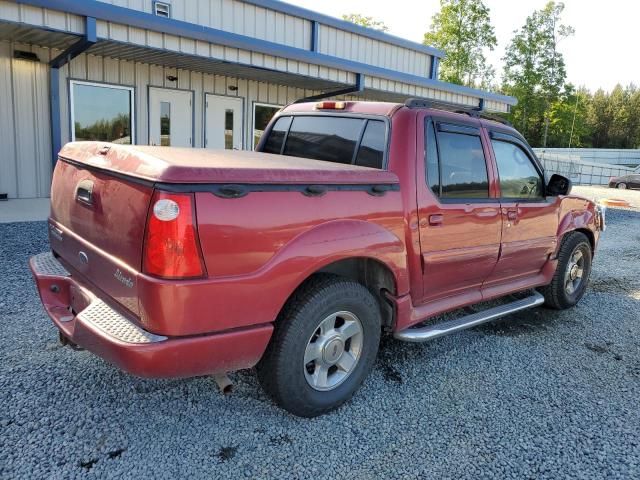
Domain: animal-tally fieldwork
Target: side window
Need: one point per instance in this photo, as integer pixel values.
(518, 176)
(456, 167)
(371, 151)
(276, 137)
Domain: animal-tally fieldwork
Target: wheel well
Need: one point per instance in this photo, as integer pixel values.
(589, 234)
(371, 273)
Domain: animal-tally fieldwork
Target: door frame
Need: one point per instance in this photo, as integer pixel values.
(204, 116)
(193, 111)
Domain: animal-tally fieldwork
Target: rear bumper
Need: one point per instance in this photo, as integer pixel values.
(97, 327)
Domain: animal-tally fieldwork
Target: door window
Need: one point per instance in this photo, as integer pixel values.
(456, 167)
(519, 178)
(228, 129)
(165, 124)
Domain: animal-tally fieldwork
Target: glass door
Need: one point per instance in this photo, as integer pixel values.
(224, 122)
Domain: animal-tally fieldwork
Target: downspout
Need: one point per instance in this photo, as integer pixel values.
(81, 46)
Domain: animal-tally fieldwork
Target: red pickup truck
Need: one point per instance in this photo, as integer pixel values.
(351, 220)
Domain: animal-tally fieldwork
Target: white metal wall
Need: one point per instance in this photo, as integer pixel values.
(25, 138)
(247, 19)
(343, 44)
(25, 157)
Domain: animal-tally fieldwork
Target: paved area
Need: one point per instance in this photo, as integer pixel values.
(24, 210)
(541, 394)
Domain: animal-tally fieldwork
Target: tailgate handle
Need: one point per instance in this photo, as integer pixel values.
(84, 192)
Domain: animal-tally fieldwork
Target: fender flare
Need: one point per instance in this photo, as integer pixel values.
(338, 240)
(576, 220)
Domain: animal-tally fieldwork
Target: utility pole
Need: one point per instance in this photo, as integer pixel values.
(573, 122)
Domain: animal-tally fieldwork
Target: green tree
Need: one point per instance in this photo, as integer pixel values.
(534, 70)
(462, 28)
(568, 118)
(363, 21)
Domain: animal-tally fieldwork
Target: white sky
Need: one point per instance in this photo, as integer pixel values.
(605, 49)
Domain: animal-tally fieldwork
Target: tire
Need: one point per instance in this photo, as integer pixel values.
(569, 282)
(621, 186)
(303, 331)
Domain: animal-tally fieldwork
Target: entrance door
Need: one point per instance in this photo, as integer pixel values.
(459, 214)
(170, 117)
(224, 122)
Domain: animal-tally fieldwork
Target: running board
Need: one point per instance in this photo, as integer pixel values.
(441, 329)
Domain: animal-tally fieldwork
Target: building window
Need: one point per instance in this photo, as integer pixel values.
(162, 9)
(262, 115)
(102, 112)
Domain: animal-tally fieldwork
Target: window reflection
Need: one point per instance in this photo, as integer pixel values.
(102, 113)
(165, 124)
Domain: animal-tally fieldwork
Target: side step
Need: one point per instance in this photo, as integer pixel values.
(441, 329)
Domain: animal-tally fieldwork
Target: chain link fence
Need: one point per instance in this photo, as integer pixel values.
(579, 171)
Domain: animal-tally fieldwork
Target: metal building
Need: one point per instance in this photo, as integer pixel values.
(200, 73)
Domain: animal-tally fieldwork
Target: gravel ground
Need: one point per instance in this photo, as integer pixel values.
(543, 394)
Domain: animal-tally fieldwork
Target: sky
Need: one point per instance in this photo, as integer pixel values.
(603, 52)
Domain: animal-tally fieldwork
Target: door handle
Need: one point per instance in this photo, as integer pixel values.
(436, 219)
(512, 214)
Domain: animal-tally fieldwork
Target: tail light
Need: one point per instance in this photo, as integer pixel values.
(171, 245)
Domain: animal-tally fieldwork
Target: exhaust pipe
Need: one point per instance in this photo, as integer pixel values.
(224, 383)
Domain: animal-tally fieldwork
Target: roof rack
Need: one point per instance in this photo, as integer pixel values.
(475, 112)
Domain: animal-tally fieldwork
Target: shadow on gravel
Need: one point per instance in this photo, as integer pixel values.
(521, 323)
(613, 285)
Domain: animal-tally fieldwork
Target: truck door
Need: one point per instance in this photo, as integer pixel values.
(458, 209)
(530, 220)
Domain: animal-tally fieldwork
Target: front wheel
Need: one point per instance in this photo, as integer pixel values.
(572, 274)
(621, 186)
(323, 347)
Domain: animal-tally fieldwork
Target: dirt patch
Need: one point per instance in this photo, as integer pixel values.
(227, 453)
(280, 440)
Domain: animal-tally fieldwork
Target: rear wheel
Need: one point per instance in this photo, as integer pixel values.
(621, 186)
(323, 347)
(572, 274)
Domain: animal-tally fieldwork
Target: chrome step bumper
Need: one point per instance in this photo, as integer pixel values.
(430, 332)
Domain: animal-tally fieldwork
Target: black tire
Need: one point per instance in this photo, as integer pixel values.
(621, 186)
(282, 371)
(556, 294)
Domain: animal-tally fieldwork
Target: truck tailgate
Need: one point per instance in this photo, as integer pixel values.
(97, 227)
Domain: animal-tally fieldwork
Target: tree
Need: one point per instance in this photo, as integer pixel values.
(368, 22)
(568, 118)
(462, 28)
(534, 70)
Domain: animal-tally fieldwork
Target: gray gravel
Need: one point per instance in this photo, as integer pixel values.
(545, 395)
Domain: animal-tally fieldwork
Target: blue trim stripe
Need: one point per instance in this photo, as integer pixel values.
(134, 18)
(300, 12)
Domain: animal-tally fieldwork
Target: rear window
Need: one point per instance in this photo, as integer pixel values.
(357, 141)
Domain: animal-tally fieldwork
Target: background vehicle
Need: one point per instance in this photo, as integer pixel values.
(626, 181)
(179, 262)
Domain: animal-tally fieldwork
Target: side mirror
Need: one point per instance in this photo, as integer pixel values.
(558, 185)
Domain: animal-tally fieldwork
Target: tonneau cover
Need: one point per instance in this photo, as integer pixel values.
(196, 165)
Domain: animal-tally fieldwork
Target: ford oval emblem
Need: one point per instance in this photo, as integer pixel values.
(83, 258)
